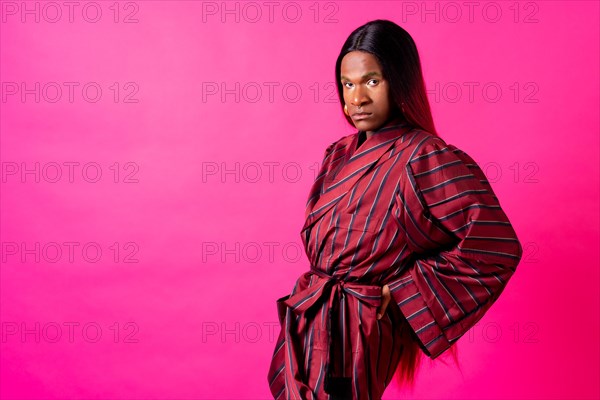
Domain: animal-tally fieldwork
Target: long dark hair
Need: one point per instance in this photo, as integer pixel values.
(397, 54)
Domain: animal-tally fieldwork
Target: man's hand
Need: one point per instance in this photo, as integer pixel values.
(386, 297)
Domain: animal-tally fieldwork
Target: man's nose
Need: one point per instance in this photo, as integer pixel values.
(359, 97)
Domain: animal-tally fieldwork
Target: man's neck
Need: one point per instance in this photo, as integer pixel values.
(390, 122)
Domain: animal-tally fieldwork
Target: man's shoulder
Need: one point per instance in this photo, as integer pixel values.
(340, 143)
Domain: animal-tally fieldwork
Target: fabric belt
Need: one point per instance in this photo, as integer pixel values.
(334, 291)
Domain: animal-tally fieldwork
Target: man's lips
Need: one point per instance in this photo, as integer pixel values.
(361, 115)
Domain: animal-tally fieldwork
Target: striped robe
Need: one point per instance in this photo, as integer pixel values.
(407, 210)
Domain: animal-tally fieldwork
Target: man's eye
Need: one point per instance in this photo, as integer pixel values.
(347, 83)
(374, 80)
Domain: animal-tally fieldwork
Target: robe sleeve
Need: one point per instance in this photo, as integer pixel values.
(463, 247)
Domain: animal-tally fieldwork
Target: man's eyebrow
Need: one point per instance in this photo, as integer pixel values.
(367, 75)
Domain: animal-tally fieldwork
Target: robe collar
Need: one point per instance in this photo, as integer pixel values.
(348, 165)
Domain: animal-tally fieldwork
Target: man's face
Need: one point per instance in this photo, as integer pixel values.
(365, 90)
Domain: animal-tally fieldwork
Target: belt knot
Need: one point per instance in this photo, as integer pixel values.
(339, 363)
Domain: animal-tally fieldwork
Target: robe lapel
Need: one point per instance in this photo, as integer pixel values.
(346, 173)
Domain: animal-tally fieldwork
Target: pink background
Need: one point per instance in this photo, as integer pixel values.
(200, 201)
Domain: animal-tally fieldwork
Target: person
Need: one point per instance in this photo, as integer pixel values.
(407, 242)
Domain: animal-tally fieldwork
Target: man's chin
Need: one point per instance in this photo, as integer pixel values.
(365, 125)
